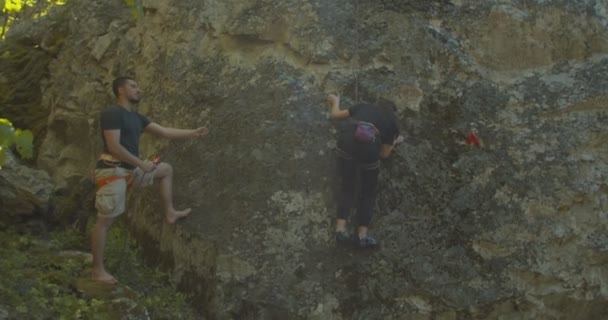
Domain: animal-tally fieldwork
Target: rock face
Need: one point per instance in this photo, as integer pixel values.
(24, 191)
(515, 228)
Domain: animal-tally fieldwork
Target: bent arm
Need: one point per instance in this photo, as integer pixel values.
(335, 113)
(118, 151)
(174, 133)
(386, 149)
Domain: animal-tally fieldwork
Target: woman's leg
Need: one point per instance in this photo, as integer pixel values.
(347, 169)
(367, 199)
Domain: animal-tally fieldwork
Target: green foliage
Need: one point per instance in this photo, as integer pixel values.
(34, 281)
(136, 8)
(168, 304)
(39, 283)
(124, 258)
(10, 136)
(12, 8)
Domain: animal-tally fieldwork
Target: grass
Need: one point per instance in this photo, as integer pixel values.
(46, 276)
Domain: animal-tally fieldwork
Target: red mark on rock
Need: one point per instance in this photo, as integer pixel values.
(473, 138)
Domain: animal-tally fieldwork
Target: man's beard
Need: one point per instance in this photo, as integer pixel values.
(134, 100)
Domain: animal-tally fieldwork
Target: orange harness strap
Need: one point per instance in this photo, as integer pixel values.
(103, 181)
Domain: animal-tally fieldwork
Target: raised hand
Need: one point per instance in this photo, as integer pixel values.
(148, 166)
(200, 132)
(398, 140)
(333, 100)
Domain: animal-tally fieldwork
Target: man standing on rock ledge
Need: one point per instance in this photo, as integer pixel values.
(371, 136)
(119, 167)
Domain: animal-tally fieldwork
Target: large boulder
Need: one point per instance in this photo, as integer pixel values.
(24, 191)
(512, 228)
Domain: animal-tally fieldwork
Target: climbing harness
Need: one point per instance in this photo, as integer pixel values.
(111, 161)
(107, 180)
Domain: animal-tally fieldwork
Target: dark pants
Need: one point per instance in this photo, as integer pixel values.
(351, 169)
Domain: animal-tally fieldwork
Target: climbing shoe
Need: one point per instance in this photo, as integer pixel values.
(343, 237)
(366, 242)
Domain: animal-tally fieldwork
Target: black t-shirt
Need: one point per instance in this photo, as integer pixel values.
(130, 123)
(384, 120)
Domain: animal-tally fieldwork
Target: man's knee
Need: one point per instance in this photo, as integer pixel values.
(163, 169)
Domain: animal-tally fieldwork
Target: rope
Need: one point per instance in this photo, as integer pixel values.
(356, 52)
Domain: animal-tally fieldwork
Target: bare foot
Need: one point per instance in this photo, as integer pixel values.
(104, 277)
(174, 215)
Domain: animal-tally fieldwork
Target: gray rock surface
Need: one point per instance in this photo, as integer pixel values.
(23, 191)
(3, 313)
(514, 229)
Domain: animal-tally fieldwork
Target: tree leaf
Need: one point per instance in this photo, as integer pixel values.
(2, 157)
(7, 132)
(23, 142)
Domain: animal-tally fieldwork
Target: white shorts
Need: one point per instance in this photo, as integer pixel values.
(110, 199)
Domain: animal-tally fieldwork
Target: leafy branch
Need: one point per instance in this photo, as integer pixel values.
(21, 139)
(136, 8)
(11, 10)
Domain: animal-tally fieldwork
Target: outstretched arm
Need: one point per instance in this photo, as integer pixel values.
(333, 102)
(174, 133)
